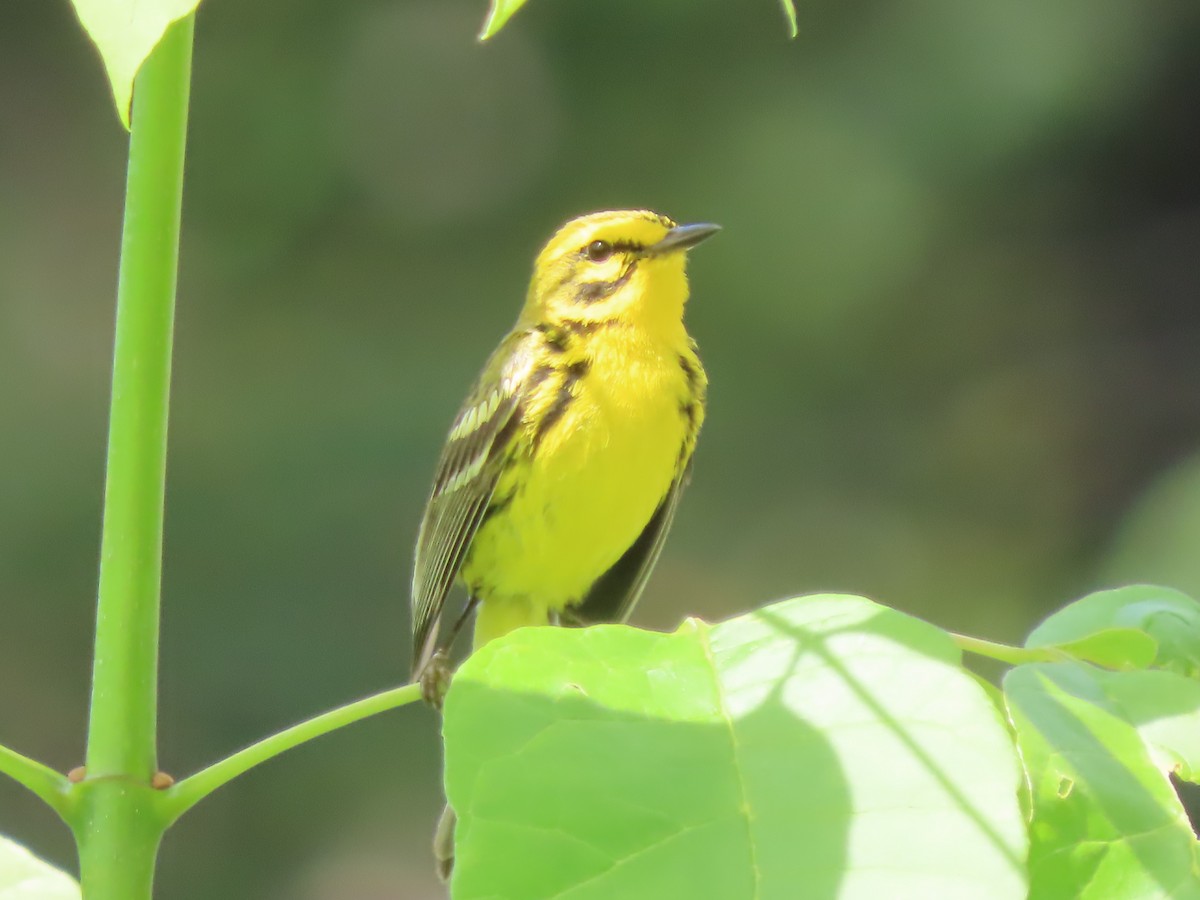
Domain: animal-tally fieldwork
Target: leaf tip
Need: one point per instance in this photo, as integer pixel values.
(499, 12)
(789, 11)
(125, 34)
(693, 625)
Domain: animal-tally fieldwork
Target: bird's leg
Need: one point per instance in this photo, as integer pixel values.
(435, 677)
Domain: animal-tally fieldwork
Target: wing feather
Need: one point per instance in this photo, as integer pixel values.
(474, 457)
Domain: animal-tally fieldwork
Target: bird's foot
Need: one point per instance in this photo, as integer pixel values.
(435, 680)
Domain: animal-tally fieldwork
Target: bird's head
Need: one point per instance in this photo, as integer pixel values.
(622, 264)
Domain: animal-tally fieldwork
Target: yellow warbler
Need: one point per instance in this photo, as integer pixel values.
(561, 473)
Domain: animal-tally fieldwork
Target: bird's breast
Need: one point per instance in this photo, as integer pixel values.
(604, 438)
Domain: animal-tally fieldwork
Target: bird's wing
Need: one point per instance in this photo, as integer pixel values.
(614, 594)
(472, 461)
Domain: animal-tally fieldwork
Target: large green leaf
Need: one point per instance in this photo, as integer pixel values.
(1170, 618)
(824, 746)
(125, 31)
(1107, 823)
(25, 877)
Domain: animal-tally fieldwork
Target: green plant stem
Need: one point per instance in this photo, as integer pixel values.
(121, 731)
(183, 796)
(52, 787)
(118, 829)
(114, 826)
(1005, 653)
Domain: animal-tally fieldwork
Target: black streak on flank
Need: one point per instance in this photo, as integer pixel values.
(578, 369)
(690, 412)
(540, 374)
(553, 338)
(594, 291)
(689, 372)
(566, 393)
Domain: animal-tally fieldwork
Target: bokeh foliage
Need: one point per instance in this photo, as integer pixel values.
(950, 327)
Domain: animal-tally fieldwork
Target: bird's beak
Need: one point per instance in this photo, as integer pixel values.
(682, 237)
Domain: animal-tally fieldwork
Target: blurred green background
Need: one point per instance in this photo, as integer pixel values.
(951, 327)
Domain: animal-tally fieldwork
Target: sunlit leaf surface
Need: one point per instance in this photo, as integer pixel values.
(1097, 745)
(25, 877)
(824, 746)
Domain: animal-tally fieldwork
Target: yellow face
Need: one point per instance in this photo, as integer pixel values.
(626, 264)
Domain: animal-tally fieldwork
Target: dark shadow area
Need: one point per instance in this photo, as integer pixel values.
(1189, 796)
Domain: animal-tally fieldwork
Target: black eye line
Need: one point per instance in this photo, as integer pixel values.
(615, 247)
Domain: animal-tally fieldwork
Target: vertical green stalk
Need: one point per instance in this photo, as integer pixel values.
(116, 822)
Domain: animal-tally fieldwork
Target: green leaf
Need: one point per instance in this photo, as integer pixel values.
(125, 31)
(25, 877)
(1106, 822)
(500, 11)
(1165, 709)
(789, 10)
(1170, 618)
(498, 15)
(1113, 648)
(824, 745)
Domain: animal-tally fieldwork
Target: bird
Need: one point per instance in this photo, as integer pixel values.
(562, 470)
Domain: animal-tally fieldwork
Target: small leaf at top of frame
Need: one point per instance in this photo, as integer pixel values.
(500, 11)
(125, 32)
(789, 10)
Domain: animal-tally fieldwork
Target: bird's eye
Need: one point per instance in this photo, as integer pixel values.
(599, 251)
